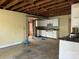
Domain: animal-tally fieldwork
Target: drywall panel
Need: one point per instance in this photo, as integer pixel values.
(75, 10)
(64, 25)
(13, 27)
(75, 16)
(75, 22)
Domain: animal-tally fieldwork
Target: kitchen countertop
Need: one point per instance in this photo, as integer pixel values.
(73, 39)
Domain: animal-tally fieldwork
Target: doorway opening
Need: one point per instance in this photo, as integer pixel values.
(32, 27)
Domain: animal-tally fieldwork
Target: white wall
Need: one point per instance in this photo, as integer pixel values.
(75, 15)
(64, 25)
(13, 27)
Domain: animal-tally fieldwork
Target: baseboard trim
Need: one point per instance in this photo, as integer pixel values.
(8, 45)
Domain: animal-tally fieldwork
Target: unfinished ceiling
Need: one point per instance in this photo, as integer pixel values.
(39, 7)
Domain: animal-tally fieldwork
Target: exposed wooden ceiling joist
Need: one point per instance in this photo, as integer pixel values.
(39, 7)
(14, 2)
(73, 1)
(55, 12)
(57, 6)
(61, 10)
(2, 1)
(54, 7)
(19, 5)
(62, 13)
(63, 7)
(47, 4)
(27, 7)
(58, 12)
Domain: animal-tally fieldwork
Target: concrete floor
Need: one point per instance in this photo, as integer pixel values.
(39, 49)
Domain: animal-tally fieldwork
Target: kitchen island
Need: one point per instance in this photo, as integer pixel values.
(68, 48)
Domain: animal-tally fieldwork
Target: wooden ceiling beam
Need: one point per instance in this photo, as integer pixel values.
(53, 6)
(14, 2)
(47, 4)
(58, 5)
(42, 2)
(51, 11)
(48, 11)
(64, 6)
(58, 11)
(45, 14)
(61, 11)
(71, 1)
(20, 5)
(2, 1)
